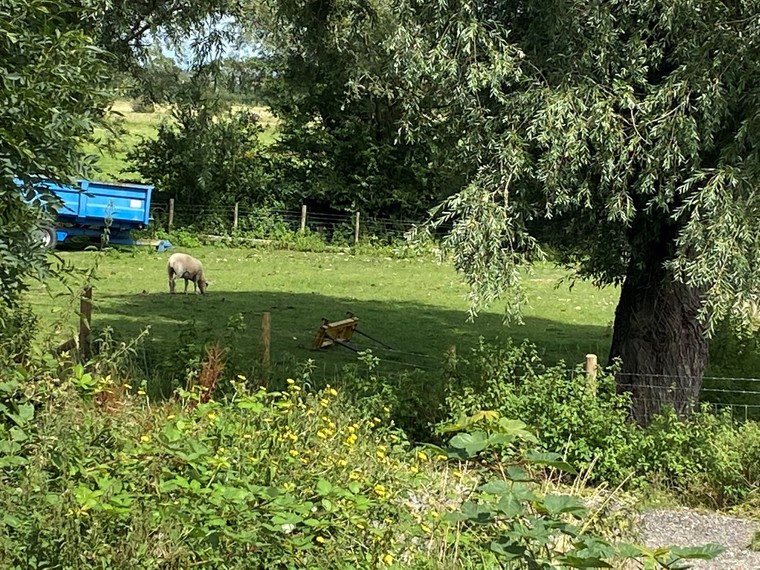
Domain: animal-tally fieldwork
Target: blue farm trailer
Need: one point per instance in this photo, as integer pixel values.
(90, 208)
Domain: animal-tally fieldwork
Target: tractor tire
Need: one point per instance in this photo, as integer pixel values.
(48, 238)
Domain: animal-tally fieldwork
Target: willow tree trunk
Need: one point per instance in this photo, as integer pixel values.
(660, 340)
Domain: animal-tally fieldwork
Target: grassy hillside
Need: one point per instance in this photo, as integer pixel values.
(112, 149)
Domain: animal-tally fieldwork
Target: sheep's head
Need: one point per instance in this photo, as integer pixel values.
(202, 285)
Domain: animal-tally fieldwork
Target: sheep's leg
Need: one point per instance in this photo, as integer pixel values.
(172, 278)
(195, 286)
(185, 286)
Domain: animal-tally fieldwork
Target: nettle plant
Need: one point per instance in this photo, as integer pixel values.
(521, 525)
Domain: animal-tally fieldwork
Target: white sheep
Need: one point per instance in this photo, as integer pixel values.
(188, 268)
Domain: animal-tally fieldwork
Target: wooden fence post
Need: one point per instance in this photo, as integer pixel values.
(590, 367)
(266, 334)
(85, 322)
(235, 216)
(356, 229)
(303, 218)
(171, 213)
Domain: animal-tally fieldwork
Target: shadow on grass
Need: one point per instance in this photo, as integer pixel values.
(419, 335)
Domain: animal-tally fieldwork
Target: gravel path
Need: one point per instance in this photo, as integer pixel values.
(686, 527)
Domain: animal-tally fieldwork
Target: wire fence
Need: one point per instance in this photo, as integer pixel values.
(651, 392)
(271, 223)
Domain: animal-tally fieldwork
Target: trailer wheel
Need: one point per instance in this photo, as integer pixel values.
(47, 237)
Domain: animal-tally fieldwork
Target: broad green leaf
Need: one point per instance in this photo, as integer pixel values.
(518, 473)
(704, 552)
(470, 443)
(496, 487)
(559, 504)
(552, 460)
(324, 487)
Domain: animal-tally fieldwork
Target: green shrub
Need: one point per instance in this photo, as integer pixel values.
(261, 480)
(17, 329)
(706, 459)
(516, 522)
(99, 476)
(589, 425)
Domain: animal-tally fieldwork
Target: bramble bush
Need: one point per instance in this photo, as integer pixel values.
(95, 474)
(706, 459)
(588, 425)
(521, 522)
(100, 477)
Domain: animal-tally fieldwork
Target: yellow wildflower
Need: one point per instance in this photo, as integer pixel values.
(353, 475)
(422, 456)
(342, 462)
(324, 402)
(293, 453)
(290, 381)
(145, 438)
(141, 392)
(379, 490)
(332, 392)
(350, 440)
(211, 416)
(321, 539)
(425, 528)
(388, 559)
(170, 417)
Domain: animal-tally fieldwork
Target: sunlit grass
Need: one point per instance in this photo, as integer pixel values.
(112, 150)
(417, 307)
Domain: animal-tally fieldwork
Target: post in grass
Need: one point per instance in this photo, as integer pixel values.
(591, 369)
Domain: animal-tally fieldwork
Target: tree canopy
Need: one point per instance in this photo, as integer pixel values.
(620, 134)
(52, 94)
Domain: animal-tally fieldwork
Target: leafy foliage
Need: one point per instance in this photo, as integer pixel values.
(342, 135)
(203, 157)
(51, 97)
(524, 527)
(705, 460)
(282, 479)
(628, 126)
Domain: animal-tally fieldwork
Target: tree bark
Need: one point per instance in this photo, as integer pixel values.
(659, 338)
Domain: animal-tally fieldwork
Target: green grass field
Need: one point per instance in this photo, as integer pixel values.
(112, 151)
(417, 307)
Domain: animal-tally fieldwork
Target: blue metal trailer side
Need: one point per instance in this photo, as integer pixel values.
(90, 208)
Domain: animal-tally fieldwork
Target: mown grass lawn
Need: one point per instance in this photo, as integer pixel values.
(417, 307)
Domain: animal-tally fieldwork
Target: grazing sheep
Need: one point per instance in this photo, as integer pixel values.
(188, 268)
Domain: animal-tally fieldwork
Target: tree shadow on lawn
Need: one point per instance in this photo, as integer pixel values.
(419, 335)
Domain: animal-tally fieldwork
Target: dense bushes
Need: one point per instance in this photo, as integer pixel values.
(208, 157)
(263, 480)
(94, 475)
(707, 459)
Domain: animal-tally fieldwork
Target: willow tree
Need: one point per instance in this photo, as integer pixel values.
(624, 135)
